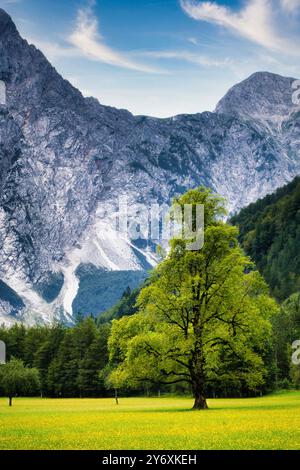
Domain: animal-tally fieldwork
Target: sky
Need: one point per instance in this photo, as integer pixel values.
(161, 57)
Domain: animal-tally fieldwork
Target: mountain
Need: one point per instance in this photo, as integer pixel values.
(270, 234)
(65, 159)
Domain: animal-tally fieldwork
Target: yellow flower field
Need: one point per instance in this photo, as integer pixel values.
(271, 422)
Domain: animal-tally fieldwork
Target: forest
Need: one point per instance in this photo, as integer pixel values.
(270, 235)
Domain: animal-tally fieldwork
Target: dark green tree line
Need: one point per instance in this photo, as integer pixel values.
(69, 360)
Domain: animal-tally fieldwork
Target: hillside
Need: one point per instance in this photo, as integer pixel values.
(270, 234)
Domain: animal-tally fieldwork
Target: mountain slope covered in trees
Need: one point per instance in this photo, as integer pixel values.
(270, 235)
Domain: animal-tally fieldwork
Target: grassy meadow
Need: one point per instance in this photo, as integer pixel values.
(270, 422)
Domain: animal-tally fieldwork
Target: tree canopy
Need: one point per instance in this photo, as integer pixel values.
(16, 379)
(204, 317)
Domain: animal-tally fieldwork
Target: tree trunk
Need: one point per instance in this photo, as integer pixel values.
(116, 397)
(200, 401)
(197, 373)
(198, 387)
(10, 401)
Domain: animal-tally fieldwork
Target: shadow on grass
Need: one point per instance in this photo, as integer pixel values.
(257, 407)
(266, 406)
(155, 410)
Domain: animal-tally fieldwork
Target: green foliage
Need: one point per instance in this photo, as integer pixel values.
(214, 205)
(68, 359)
(203, 320)
(16, 379)
(125, 307)
(46, 354)
(270, 235)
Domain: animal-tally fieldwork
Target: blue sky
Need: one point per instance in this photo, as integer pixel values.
(161, 57)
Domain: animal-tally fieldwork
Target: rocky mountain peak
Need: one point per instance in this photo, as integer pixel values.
(7, 25)
(264, 96)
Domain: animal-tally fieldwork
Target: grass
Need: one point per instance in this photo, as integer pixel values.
(270, 422)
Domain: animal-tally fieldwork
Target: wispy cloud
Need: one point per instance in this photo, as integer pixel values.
(193, 40)
(255, 21)
(54, 50)
(7, 2)
(87, 39)
(290, 5)
(186, 56)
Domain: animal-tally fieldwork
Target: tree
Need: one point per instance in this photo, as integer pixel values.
(63, 370)
(34, 339)
(126, 292)
(16, 379)
(74, 370)
(203, 318)
(14, 339)
(46, 354)
(90, 382)
(125, 306)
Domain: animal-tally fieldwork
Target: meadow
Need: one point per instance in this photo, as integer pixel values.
(270, 422)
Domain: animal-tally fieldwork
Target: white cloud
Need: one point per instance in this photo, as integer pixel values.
(87, 39)
(255, 21)
(290, 5)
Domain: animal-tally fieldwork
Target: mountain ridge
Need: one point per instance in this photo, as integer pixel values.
(65, 159)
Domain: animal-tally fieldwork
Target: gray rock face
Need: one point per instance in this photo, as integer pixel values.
(64, 159)
(262, 96)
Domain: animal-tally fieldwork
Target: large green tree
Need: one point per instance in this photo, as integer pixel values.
(204, 317)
